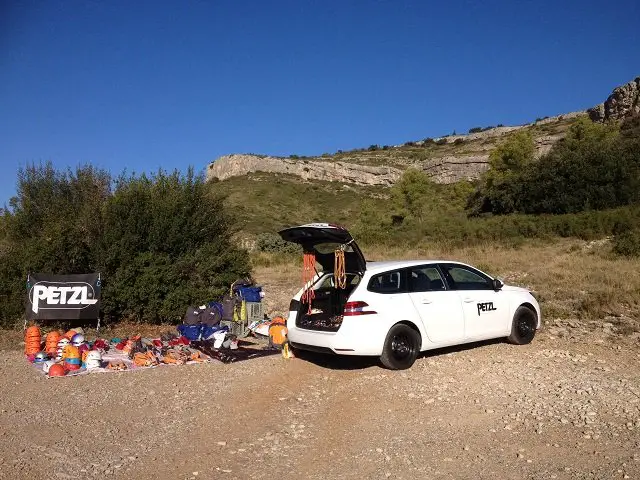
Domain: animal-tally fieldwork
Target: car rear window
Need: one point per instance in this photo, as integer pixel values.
(388, 282)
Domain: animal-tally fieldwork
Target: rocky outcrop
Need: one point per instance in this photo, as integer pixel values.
(451, 169)
(236, 165)
(622, 103)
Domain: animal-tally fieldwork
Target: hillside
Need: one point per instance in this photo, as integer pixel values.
(445, 159)
(425, 188)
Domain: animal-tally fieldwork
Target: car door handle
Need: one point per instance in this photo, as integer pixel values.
(468, 300)
(426, 300)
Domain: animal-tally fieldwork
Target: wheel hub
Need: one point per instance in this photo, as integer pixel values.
(401, 346)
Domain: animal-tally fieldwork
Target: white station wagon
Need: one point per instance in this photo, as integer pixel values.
(395, 310)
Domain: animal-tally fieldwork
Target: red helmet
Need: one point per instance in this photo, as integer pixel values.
(56, 370)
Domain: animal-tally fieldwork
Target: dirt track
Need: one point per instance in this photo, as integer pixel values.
(559, 408)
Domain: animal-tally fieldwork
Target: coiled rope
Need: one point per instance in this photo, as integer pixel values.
(308, 272)
(339, 268)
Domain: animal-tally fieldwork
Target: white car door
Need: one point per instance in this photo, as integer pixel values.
(440, 309)
(485, 310)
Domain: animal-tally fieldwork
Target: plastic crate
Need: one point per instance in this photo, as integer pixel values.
(254, 311)
(239, 329)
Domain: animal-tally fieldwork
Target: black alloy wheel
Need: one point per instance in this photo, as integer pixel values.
(523, 329)
(401, 347)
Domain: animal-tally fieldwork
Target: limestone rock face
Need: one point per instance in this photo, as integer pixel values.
(451, 169)
(623, 102)
(238, 164)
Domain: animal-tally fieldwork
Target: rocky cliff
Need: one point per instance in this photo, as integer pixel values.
(623, 102)
(455, 158)
(446, 159)
(308, 169)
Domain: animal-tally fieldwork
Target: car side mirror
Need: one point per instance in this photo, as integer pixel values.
(497, 284)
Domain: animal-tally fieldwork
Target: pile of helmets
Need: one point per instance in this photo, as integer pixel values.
(71, 357)
(51, 343)
(32, 340)
(63, 343)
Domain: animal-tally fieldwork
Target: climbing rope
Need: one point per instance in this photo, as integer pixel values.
(308, 272)
(339, 268)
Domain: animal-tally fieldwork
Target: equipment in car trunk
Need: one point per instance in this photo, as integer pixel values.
(339, 269)
(308, 272)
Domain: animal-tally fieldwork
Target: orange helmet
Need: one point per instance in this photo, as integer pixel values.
(53, 336)
(70, 334)
(56, 370)
(32, 332)
(32, 340)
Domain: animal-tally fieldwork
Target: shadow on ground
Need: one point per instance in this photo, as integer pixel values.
(347, 362)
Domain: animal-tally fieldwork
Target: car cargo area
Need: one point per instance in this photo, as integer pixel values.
(327, 306)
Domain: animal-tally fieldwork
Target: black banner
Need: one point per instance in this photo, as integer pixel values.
(63, 297)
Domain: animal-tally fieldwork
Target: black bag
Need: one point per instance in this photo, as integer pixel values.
(210, 316)
(228, 306)
(192, 317)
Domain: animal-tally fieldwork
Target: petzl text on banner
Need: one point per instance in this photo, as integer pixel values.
(63, 297)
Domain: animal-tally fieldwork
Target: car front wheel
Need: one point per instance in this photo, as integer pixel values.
(524, 326)
(401, 347)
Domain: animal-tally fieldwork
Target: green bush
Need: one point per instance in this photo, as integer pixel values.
(161, 242)
(273, 243)
(595, 167)
(627, 243)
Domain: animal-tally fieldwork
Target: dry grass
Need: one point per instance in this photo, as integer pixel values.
(573, 279)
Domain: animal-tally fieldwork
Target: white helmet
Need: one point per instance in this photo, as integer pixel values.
(77, 339)
(93, 359)
(62, 344)
(47, 365)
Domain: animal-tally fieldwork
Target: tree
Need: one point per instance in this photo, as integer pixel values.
(161, 242)
(501, 184)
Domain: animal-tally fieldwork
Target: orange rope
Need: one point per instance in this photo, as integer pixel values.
(339, 269)
(308, 272)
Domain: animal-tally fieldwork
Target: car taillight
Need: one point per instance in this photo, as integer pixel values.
(351, 309)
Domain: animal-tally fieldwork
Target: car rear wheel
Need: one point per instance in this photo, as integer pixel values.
(524, 326)
(401, 347)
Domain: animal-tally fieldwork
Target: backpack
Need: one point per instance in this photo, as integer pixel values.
(228, 307)
(277, 332)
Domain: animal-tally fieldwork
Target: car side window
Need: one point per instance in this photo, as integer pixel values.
(425, 279)
(388, 282)
(460, 277)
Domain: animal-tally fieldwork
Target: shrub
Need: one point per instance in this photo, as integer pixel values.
(627, 243)
(161, 242)
(273, 243)
(458, 141)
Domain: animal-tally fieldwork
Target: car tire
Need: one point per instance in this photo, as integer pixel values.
(524, 325)
(401, 347)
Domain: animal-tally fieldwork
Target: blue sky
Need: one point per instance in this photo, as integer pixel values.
(148, 84)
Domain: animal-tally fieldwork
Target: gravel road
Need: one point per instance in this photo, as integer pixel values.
(558, 408)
